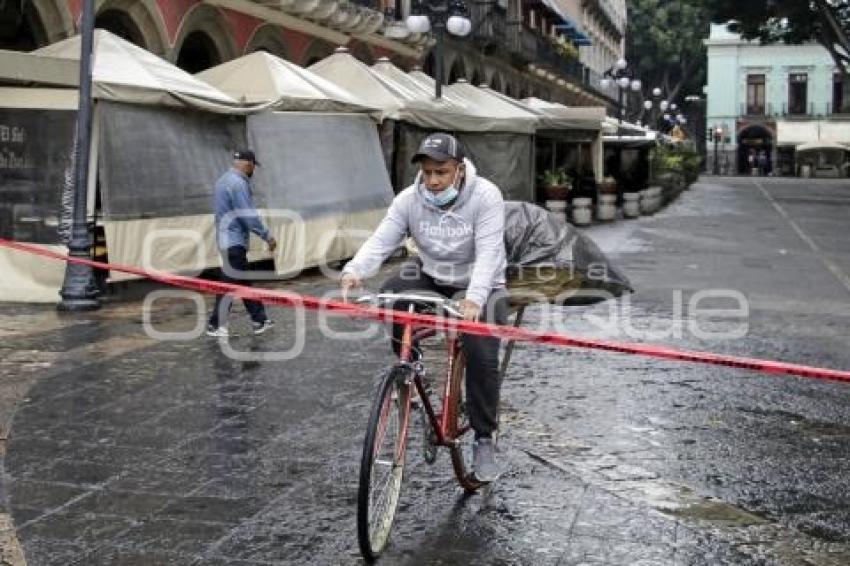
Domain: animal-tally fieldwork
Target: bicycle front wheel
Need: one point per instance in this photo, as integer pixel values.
(382, 463)
(459, 428)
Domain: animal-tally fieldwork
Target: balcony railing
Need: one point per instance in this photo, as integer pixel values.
(568, 68)
(489, 23)
(809, 112)
(758, 110)
(799, 110)
(521, 42)
(842, 110)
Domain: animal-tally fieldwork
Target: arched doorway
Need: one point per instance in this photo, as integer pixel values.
(429, 67)
(496, 83)
(21, 28)
(121, 24)
(268, 38)
(478, 78)
(204, 40)
(456, 71)
(137, 21)
(315, 52)
(198, 53)
(755, 149)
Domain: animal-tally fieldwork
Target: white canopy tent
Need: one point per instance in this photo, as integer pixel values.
(127, 73)
(261, 78)
(122, 74)
(329, 145)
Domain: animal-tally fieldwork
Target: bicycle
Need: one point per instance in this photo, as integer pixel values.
(384, 449)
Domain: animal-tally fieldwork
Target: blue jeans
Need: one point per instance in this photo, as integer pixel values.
(236, 258)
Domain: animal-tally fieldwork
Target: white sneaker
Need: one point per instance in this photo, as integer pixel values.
(260, 328)
(221, 331)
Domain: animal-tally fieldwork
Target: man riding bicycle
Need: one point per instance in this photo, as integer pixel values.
(457, 221)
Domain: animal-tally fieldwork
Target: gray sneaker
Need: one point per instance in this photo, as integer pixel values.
(484, 466)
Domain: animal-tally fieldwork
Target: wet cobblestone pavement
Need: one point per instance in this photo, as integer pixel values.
(127, 450)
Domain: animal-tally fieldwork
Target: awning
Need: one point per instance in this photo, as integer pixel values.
(822, 146)
(813, 131)
(796, 133)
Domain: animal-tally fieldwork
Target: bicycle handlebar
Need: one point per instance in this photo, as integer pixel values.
(448, 306)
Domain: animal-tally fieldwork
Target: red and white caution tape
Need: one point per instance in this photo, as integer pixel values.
(289, 299)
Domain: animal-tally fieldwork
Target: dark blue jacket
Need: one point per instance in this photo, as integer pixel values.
(235, 214)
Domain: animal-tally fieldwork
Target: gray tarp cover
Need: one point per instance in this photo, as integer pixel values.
(505, 159)
(312, 163)
(550, 258)
(159, 162)
(320, 163)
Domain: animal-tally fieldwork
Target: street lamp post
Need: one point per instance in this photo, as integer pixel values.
(442, 16)
(622, 76)
(718, 135)
(79, 292)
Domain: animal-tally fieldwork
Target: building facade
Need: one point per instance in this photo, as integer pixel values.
(518, 47)
(770, 99)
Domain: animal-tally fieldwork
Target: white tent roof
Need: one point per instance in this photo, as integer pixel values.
(504, 116)
(263, 78)
(430, 86)
(347, 72)
(614, 127)
(401, 81)
(127, 73)
(25, 68)
(397, 99)
(559, 116)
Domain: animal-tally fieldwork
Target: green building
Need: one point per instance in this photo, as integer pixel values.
(779, 109)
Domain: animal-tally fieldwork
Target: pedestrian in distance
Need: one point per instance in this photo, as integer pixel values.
(763, 162)
(457, 221)
(235, 218)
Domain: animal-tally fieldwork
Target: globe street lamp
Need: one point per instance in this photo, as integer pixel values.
(79, 292)
(441, 15)
(622, 76)
(650, 106)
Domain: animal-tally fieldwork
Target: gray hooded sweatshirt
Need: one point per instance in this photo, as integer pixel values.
(463, 246)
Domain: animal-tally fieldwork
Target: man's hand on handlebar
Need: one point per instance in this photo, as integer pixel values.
(347, 282)
(470, 310)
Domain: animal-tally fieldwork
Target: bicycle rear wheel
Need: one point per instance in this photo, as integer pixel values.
(459, 429)
(382, 463)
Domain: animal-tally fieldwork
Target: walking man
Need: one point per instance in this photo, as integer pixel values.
(235, 219)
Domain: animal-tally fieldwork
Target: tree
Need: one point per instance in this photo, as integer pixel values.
(665, 44)
(791, 21)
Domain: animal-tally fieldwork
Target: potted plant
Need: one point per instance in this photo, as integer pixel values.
(555, 184)
(607, 186)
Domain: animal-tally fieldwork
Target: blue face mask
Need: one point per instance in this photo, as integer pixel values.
(446, 196)
(443, 198)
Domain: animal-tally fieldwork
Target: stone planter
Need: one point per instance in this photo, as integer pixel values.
(558, 208)
(606, 208)
(582, 211)
(631, 205)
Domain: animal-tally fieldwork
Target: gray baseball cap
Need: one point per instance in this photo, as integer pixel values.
(439, 147)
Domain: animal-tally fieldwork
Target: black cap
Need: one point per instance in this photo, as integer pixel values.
(439, 147)
(246, 155)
